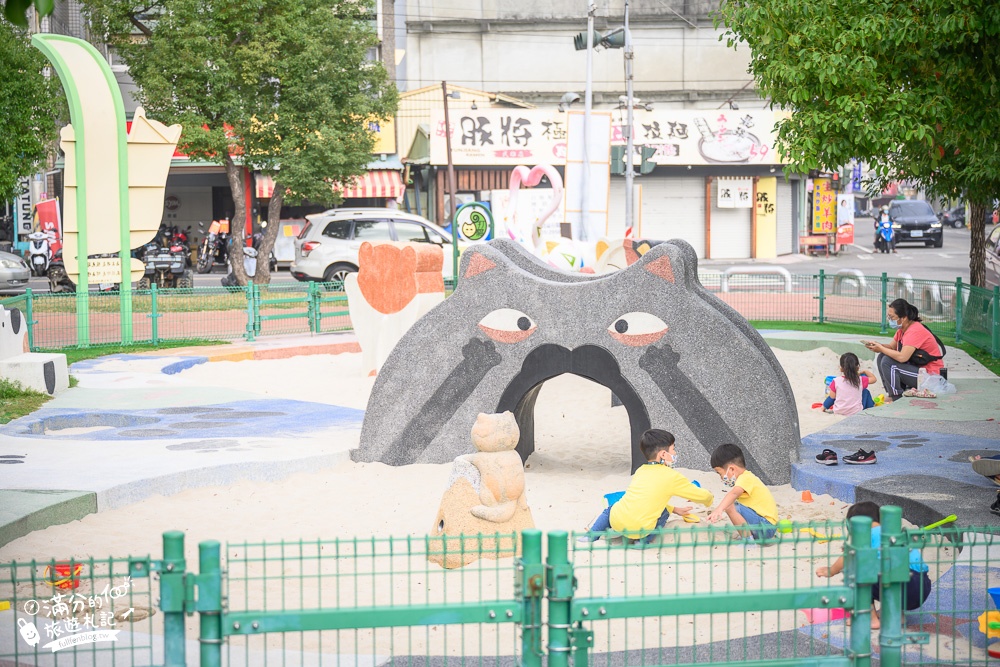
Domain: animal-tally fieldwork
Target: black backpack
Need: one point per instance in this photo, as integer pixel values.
(922, 357)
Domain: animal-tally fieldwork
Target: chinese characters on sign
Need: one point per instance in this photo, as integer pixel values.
(735, 193)
(72, 619)
(824, 207)
(497, 137)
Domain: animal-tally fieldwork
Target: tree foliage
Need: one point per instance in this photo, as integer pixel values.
(281, 87)
(909, 86)
(16, 11)
(32, 105)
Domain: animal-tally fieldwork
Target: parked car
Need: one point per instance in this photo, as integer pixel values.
(954, 217)
(327, 247)
(993, 258)
(14, 273)
(914, 221)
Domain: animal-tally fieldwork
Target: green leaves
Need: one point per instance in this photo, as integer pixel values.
(283, 86)
(31, 106)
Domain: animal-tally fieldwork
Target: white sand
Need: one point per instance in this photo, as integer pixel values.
(581, 453)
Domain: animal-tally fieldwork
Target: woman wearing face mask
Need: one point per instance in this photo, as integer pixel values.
(913, 347)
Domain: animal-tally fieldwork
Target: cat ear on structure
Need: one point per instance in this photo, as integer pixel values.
(478, 263)
(662, 268)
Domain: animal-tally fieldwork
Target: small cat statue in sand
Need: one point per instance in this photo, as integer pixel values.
(485, 496)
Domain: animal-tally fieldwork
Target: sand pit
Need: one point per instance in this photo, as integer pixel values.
(581, 453)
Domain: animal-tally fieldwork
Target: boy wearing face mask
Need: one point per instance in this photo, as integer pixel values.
(646, 504)
(748, 501)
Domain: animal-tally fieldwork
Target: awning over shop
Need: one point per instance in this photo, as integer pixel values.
(379, 183)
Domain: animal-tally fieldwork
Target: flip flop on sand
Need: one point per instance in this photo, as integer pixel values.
(987, 467)
(919, 393)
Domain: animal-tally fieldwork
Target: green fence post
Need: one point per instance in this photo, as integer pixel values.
(822, 293)
(560, 598)
(531, 586)
(172, 599)
(311, 307)
(895, 574)
(29, 318)
(885, 302)
(861, 573)
(210, 603)
(995, 342)
(155, 315)
(256, 309)
(958, 310)
(251, 328)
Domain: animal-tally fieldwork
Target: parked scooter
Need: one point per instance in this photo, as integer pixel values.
(885, 237)
(56, 273)
(250, 256)
(167, 267)
(39, 253)
(214, 246)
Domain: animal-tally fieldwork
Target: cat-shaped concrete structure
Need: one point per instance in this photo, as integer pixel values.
(677, 358)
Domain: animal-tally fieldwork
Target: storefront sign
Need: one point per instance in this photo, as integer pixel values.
(735, 193)
(824, 207)
(385, 135)
(767, 218)
(495, 137)
(500, 137)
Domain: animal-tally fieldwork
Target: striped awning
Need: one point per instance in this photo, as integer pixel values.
(378, 183)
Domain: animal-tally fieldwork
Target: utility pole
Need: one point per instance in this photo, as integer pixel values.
(588, 103)
(451, 184)
(629, 148)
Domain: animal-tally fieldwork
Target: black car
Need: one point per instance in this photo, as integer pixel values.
(915, 221)
(954, 217)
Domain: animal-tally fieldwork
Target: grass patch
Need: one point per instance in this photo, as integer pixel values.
(74, 354)
(16, 401)
(945, 330)
(199, 299)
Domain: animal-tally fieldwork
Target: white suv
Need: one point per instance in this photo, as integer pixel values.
(327, 247)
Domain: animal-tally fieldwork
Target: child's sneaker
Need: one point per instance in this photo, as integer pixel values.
(861, 458)
(588, 538)
(827, 457)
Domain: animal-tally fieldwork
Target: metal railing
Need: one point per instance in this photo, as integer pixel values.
(701, 597)
(220, 313)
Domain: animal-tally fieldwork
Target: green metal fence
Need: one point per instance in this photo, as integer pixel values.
(972, 314)
(698, 597)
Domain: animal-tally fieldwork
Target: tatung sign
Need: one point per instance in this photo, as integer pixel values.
(498, 137)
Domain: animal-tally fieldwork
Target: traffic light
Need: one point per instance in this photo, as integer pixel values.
(614, 39)
(835, 182)
(580, 41)
(618, 160)
(647, 165)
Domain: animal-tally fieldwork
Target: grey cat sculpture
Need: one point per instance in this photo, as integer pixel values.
(677, 357)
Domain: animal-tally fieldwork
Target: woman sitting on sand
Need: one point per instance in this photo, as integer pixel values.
(912, 348)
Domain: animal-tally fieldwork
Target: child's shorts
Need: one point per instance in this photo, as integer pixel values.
(752, 518)
(917, 590)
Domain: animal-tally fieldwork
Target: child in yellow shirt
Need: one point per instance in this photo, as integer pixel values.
(748, 501)
(646, 504)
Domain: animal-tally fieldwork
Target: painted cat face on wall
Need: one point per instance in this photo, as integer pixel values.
(676, 356)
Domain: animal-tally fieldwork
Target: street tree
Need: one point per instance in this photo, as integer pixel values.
(32, 104)
(282, 88)
(907, 85)
(16, 11)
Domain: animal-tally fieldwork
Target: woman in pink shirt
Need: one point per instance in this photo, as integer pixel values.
(848, 394)
(895, 363)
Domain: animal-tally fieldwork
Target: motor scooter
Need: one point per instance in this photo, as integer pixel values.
(885, 237)
(214, 246)
(39, 253)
